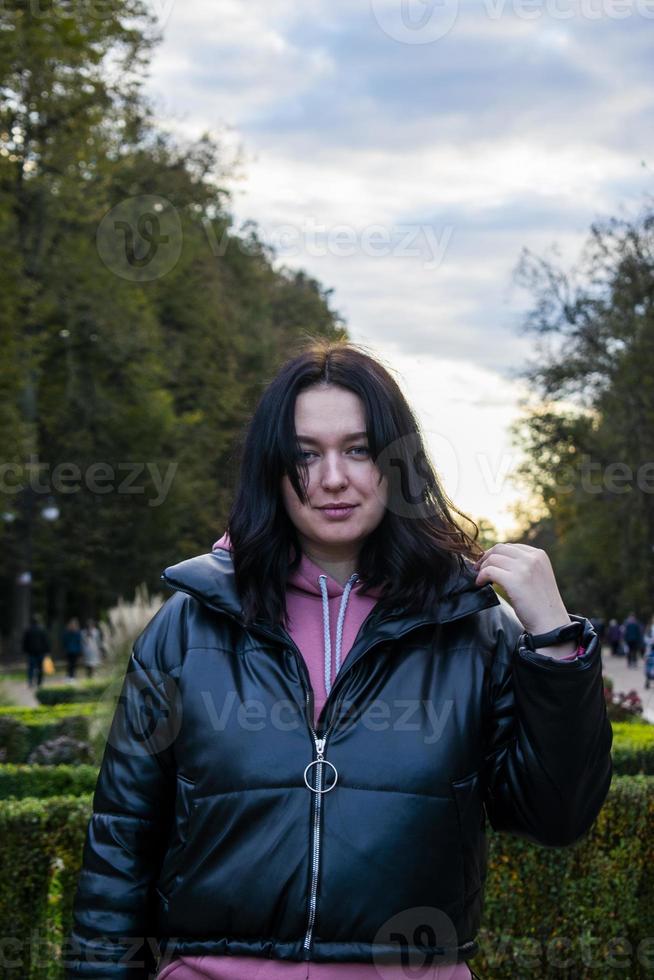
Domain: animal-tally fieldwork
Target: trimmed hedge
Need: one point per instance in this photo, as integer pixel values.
(543, 906)
(20, 781)
(90, 690)
(22, 729)
(633, 748)
(39, 866)
(56, 711)
(584, 911)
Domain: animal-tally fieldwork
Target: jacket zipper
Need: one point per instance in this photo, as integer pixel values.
(315, 851)
(317, 806)
(320, 744)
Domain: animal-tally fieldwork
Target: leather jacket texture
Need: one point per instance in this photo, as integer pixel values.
(213, 833)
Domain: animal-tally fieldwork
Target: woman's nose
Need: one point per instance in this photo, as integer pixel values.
(333, 473)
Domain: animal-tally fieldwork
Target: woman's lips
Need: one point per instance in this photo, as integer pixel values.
(337, 513)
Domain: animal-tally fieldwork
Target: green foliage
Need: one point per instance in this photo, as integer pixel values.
(581, 904)
(139, 383)
(588, 431)
(633, 748)
(20, 781)
(23, 729)
(89, 690)
(62, 750)
(29, 714)
(14, 739)
(39, 865)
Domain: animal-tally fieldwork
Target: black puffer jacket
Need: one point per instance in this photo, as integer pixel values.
(206, 837)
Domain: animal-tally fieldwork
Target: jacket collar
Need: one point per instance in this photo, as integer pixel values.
(210, 579)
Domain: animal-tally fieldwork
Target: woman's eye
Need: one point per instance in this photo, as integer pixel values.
(304, 453)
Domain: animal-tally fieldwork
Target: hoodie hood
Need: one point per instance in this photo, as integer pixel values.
(308, 580)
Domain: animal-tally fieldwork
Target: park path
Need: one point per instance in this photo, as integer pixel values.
(25, 696)
(20, 693)
(629, 679)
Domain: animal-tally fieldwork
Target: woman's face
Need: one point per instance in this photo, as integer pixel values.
(331, 429)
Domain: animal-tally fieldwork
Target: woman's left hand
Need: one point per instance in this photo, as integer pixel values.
(527, 577)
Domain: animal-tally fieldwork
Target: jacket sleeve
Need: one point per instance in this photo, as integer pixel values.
(113, 932)
(547, 760)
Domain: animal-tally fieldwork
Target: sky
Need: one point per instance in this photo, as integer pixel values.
(404, 153)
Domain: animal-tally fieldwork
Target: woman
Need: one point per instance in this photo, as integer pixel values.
(292, 805)
(91, 647)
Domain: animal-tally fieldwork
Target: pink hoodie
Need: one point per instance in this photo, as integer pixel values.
(316, 605)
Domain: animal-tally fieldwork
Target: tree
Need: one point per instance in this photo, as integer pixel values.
(589, 439)
(133, 347)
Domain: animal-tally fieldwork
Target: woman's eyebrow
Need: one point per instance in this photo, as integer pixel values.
(352, 435)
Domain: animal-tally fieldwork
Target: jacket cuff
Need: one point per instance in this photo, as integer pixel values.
(579, 652)
(588, 645)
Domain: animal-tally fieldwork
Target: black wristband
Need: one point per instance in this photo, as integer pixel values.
(571, 631)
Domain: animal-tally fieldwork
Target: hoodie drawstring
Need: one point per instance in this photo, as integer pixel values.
(322, 580)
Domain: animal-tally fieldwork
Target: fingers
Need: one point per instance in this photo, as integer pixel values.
(512, 551)
(491, 573)
(502, 561)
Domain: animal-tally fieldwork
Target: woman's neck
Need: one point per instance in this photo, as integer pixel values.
(339, 568)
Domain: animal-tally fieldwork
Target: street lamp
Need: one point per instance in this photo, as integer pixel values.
(22, 605)
(50, 511)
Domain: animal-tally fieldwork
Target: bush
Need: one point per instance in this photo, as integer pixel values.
(61, 750)
(633, 748)
(126, 621)
(24, 713)
(90, 690)
(19, 781)
(23, 729)
(14, 740)
(39, 864)
(581, 903)
(621, 706)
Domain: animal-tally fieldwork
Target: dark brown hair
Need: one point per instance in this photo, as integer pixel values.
(415, 547)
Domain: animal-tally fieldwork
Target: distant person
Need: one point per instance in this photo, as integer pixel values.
(91, 647)
(633, 637)
(614, 638)
(72, 644)
(36, 643)
(648, 639)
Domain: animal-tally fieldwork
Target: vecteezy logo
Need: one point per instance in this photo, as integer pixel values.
(141, 238)
(140, 713)
(416, 942)
(406, 468)
(415, 21)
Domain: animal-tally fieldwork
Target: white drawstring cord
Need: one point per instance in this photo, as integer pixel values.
(322, 579)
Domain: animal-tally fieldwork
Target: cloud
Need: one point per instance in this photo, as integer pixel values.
(519, 126)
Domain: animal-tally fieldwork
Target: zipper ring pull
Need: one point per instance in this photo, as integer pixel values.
(320, 762)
